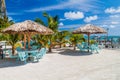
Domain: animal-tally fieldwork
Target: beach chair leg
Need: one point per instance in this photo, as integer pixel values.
(25, 62)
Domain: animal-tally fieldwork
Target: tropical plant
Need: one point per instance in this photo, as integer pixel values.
(12, 40)
(61, 37)
(5, 22)
(92, 41)
(38, 20)
(52, 24)
(41, 40)
(76, 38)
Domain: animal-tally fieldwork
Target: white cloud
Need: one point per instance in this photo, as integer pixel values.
(70, 27)
(84, 5)
(113, 22)
(112, 26)
(112, 10)
(61, 19)
(12, 13)
(104, 25)
(74, 15)
(114, 16)
(91, 18)
(10, 18)
(61, 24)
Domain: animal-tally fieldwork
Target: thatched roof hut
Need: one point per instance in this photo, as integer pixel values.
(91, 29)
(28, 26)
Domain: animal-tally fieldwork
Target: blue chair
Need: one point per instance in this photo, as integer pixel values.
(85, 45)
(22, 56)
(81, 47)
(34, 47)
(94, 48)
(18, 49)
(40, 54)
(11, 55)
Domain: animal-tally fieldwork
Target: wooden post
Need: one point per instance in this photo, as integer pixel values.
(29, 37)
(24, 41)
(88, 41)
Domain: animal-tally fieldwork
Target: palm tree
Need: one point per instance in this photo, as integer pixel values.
(76, 38)
(3, 9)
(38, 20)
(61, 36)
(5, 22)
(12, 40)
(52, 24)
(41, 40)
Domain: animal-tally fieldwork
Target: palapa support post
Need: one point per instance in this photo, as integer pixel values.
(24, 41)
(28, 35)
(88, 41)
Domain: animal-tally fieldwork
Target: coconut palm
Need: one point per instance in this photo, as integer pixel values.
(52, 24)
(76, 38)
(5, 22)
(38, 20)
(61, 37)
(12, 40)
(41, 40)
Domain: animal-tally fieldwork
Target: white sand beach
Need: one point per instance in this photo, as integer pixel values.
(65, 64)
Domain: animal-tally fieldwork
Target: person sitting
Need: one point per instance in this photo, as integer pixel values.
(1, 52)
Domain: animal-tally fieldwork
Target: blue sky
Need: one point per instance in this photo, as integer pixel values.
(72, 13)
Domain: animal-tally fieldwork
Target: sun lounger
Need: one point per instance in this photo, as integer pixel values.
(22, 56)
(39, 55)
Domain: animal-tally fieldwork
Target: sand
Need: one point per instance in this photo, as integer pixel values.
(65, 64)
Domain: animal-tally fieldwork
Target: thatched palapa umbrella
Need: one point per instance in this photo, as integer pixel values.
(27, 27)
(89, 29)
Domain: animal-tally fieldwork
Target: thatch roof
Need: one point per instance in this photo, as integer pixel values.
(89, 28)
(28, 26)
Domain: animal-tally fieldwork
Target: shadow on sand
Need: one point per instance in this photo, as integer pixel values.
(4, 63)
(69, 52)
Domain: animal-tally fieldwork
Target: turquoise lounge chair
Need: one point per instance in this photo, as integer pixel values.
(22, 56)
(94, 48)
(11, 55)
(19, 49)
(40, 54)
(81, 47)
(34, 47)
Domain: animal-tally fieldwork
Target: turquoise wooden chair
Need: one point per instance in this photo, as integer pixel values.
(85, 45)
(19, 49)
(81, 47)
(40, 54)
(34, 47)
(11, 55)
(22, 56)
(94, 48)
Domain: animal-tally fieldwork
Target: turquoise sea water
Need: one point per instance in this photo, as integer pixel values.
(103, 37)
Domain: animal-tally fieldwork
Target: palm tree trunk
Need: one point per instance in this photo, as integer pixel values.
(50, 48)
(60, 45)
(13, 50)
(74, 47)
